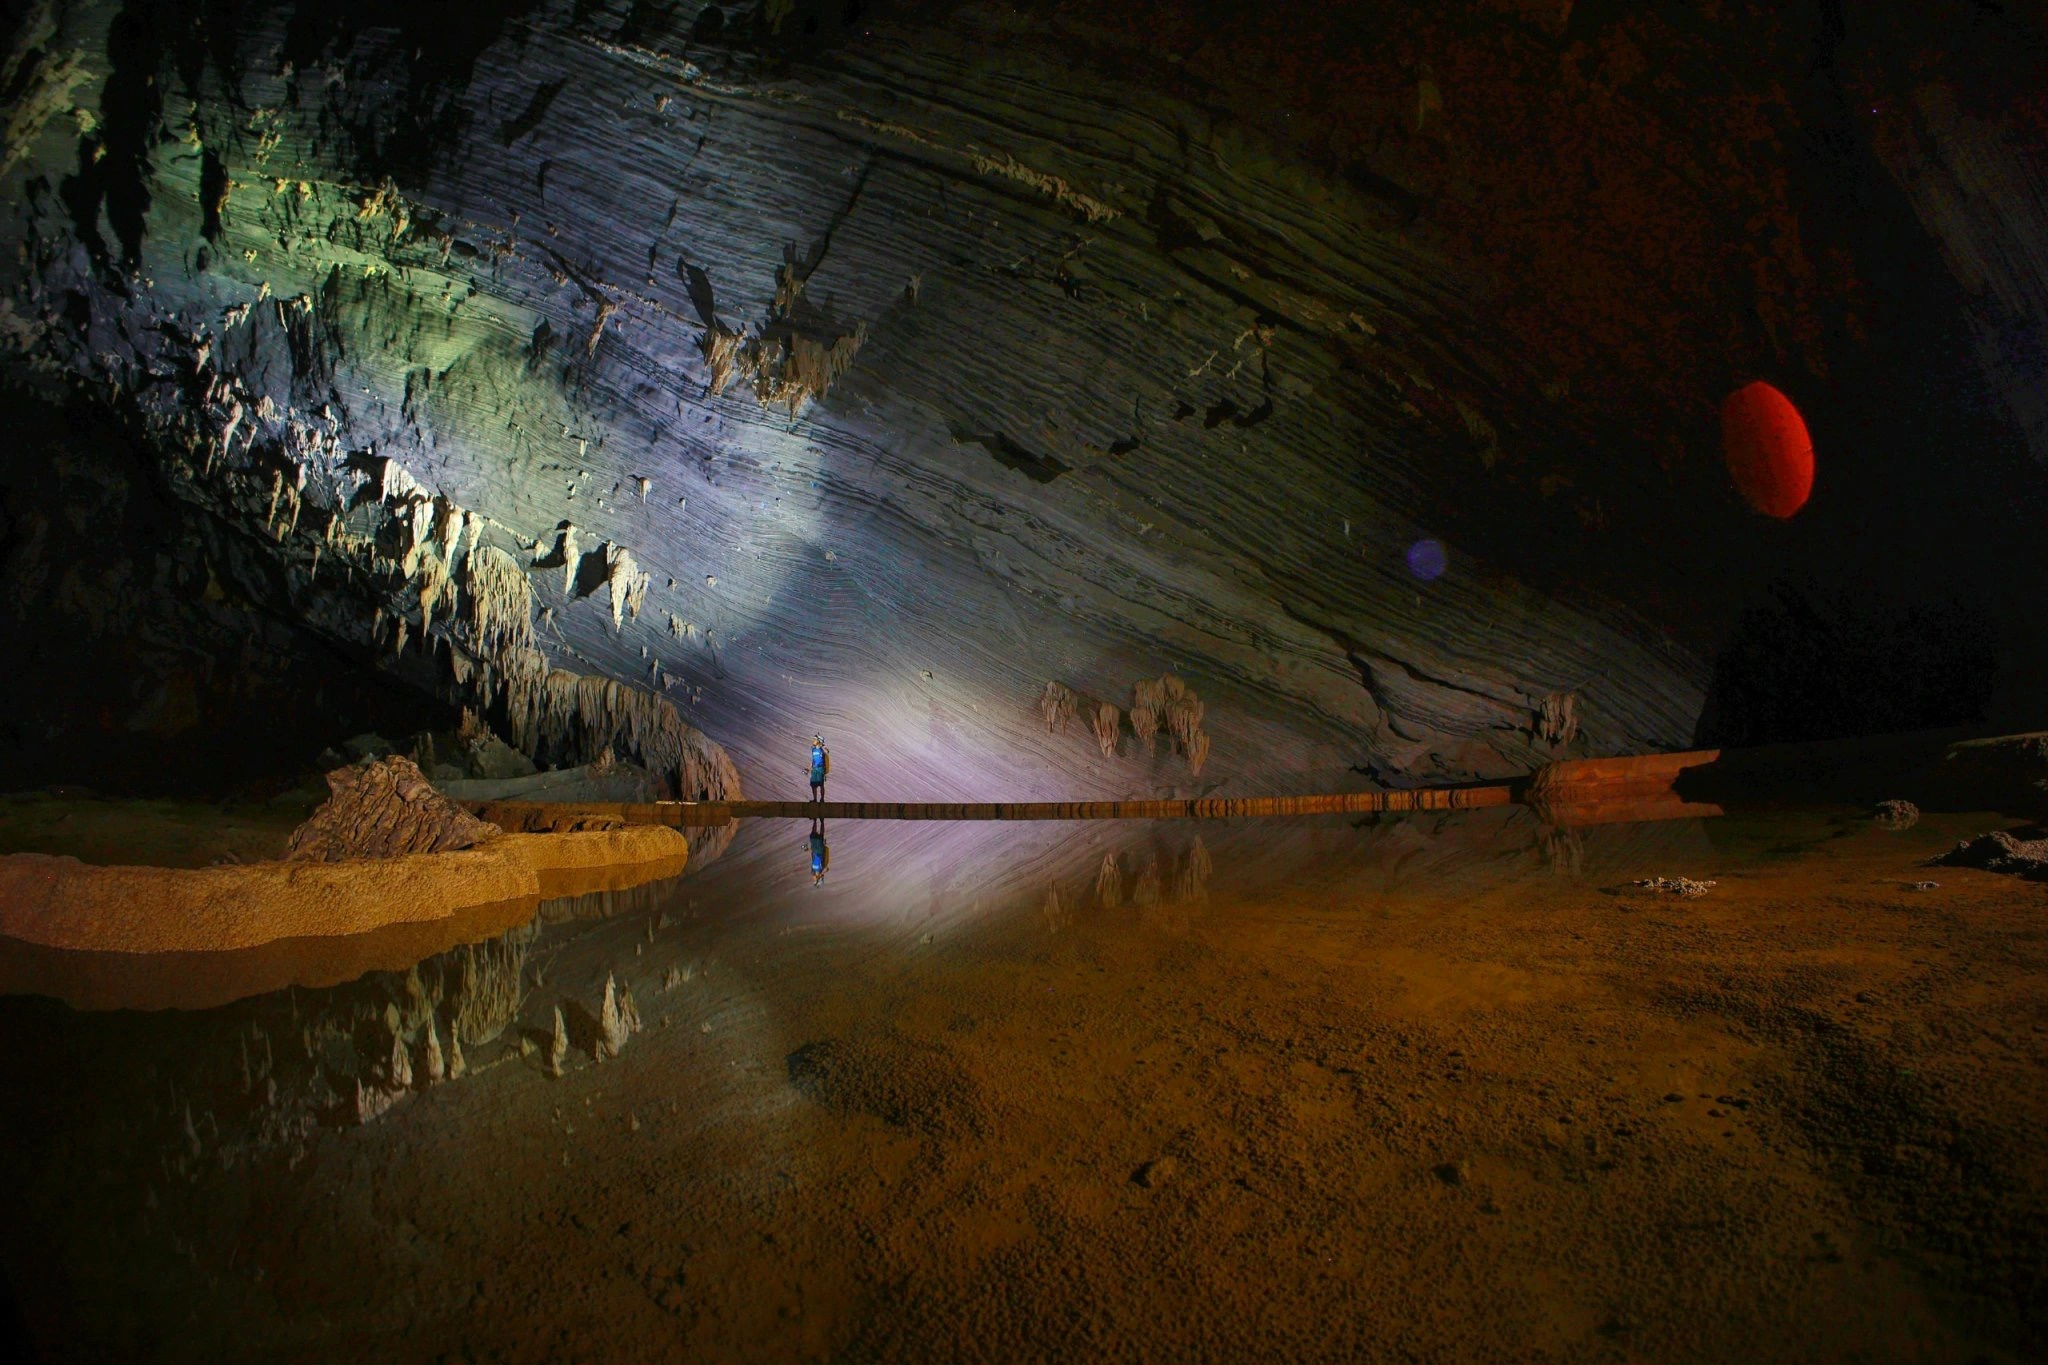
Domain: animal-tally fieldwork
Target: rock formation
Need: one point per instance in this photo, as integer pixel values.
(385, 808)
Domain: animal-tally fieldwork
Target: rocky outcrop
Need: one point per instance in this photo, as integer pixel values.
(385, 808)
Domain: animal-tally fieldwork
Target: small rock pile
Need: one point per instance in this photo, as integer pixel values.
(1999, 851)
(384, 808)
(1895, 815)
(1675, 886)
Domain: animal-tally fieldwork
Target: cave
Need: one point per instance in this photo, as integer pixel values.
(1416, 628)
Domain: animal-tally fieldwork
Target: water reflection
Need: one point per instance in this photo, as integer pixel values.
(256, 1080)
(161, 1112)
(821, 854)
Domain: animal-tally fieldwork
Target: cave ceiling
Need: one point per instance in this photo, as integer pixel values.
(863, 371)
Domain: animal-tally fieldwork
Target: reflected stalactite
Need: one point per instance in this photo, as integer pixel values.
(1145, 889)
(1191, 877)
(1563, 850)
(1053, 909)
(1109, 883)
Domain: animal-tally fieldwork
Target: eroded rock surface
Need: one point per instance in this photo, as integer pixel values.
(385, 808)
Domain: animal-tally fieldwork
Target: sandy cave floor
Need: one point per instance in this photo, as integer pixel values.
(1422, 1089)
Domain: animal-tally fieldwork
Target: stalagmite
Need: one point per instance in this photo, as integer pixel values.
(457, 1064)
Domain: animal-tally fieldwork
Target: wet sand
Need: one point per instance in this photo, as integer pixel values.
(1440, 1088)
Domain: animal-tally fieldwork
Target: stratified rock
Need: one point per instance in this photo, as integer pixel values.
(1896, 815)
(1999, 851)
(385, 808)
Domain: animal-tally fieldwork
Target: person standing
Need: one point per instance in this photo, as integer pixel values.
(821, 767)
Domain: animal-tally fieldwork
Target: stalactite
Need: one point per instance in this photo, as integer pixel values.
(624, 582)
(497, 601)
(1148, 704)
(1056, 704)
(1108, 721)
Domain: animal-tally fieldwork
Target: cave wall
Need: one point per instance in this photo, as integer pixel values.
(918, 356)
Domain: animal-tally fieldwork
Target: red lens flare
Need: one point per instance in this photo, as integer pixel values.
(1770, 455)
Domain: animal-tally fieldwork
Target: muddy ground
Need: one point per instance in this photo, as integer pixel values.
(1439, 1090)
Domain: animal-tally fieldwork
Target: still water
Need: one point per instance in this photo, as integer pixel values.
(1441, 1086)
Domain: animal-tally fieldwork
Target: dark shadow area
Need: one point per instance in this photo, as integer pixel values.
(15, 1346)
(1809, 664)
(145, 654)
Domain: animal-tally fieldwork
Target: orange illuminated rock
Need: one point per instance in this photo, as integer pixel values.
(1770, 454)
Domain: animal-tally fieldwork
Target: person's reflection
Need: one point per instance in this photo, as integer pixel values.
(821, 854)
